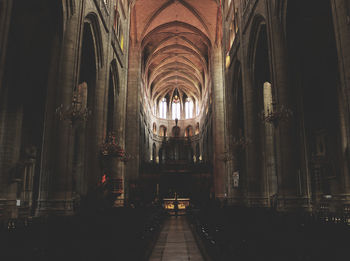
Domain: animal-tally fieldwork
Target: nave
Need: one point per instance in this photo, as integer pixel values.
(110, 110)
(176, 242)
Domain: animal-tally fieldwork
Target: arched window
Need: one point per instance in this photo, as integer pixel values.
(188, 109)
(176, 110)
(162, 108)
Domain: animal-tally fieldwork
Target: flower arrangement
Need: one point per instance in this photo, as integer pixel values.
(111, 148)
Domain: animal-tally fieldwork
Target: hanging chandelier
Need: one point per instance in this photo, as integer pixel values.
(276, 115)
(77, 111)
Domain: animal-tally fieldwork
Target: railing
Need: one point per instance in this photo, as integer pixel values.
(176, 166)
(159, 138)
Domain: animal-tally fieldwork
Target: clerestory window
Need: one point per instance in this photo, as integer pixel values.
(176, 110)
(162, 108)
(188, 109)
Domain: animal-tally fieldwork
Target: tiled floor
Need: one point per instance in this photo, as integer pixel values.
(176, 242)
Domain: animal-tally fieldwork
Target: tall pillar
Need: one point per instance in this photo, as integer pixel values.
(132, 133)
(58, 178)
(118, 170)
(5, 18)
(6, 119)
(255, 183)
(287, 173)
(234, 194)
(341, 21)
(218, 118)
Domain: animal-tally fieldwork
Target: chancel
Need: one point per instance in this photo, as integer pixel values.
(174, 130)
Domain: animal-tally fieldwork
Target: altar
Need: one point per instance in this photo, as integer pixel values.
(183, 203)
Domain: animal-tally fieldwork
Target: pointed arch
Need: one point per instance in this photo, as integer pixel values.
(188, 6)
(93, 21)
(257, 24)
(115, 76)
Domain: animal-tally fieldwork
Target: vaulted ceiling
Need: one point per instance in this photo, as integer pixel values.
(176, 38)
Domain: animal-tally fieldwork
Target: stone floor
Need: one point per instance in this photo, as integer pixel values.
(176, 242)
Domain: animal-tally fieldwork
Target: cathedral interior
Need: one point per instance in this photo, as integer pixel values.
(175, 130)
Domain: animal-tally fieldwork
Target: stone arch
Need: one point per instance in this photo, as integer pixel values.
(261, 64)
(86, 170)
(260, 72)
(180, 24)
(112, 93)
(189, 131)
(92, 20)
(175, 131)
(188, 6)
(162, 131)
(88, 68)
(258, 23)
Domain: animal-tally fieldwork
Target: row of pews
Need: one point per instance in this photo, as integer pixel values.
(114, 234)
(238, 233)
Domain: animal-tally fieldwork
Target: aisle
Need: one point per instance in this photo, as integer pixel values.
(176, 242)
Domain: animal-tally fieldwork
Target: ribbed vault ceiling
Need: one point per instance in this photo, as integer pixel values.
(176, 38)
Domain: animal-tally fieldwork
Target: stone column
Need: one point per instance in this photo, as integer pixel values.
(287, 174)
(255, 179)
(5, 17)
(121, 132)
(132, 133)
(341, 21)
(48, 155)
(218, 118)
(234, 193)
(59, 198)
